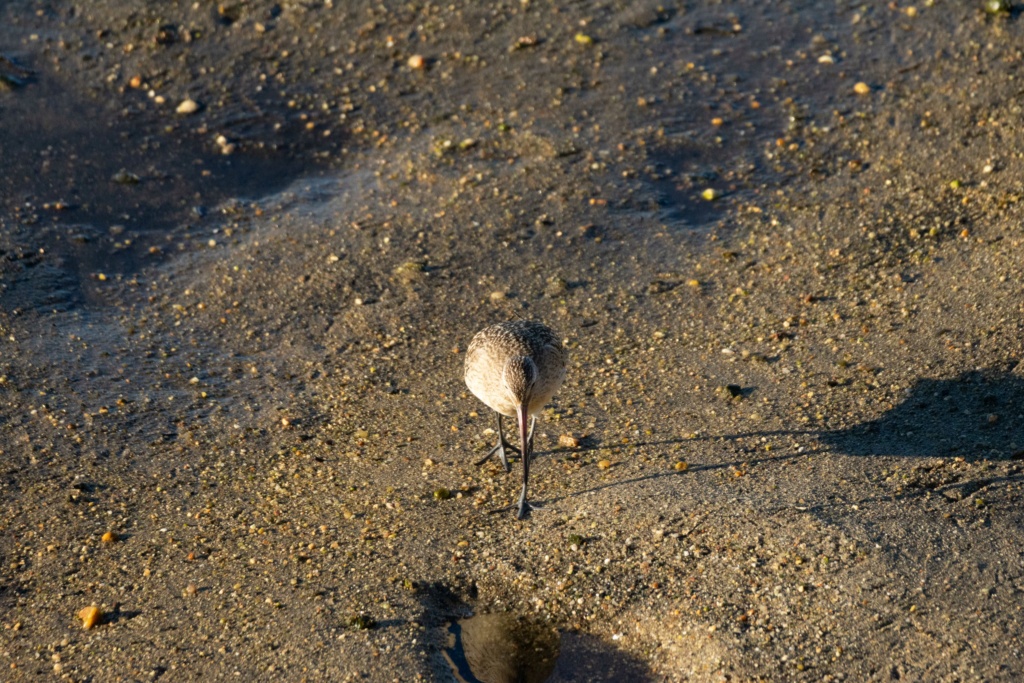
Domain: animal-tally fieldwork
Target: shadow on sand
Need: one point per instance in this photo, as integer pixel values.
(503, 647)
(977, 415)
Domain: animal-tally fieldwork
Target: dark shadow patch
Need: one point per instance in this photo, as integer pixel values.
(978, 415)
(503, 646)
(678, 183)
(119, 614)
(101, 189)
(584, 657)
(442, 604)
(507, 648)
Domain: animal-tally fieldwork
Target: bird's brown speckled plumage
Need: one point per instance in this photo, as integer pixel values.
(490, 352)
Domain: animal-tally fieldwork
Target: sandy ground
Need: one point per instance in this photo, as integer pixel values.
(233, 338)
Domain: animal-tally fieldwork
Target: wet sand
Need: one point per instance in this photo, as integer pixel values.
(233, 338)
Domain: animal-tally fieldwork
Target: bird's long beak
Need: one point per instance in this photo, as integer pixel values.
(524, 436)
(524, 431)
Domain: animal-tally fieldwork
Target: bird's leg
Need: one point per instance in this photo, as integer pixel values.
(500, 448)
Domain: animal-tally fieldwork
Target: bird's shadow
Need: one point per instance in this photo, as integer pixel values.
(976, 415)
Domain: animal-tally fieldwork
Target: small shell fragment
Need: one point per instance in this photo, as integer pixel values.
(90, 616)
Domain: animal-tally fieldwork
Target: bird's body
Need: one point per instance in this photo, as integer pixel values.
(492, 348)
(515, 368)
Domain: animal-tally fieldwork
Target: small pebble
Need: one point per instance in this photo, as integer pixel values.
(555, 287)
(498, 296)
(188, 106)
(568, 441)
(998, 6)
(524, 41)
(604, 464)
(710, 194)
(109, 537)
(410, 272)
(681, 466)
(124, 177)
(417, 62)
(862, 88)
(361, 622)
(90, 616)
(442, 494)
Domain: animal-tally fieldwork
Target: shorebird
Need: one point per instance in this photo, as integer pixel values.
(515, 368)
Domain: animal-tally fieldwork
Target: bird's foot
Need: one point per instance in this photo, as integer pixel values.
(500, 450)
(526, 508)
(522, 509)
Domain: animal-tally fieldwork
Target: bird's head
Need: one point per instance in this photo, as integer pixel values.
(519, 376)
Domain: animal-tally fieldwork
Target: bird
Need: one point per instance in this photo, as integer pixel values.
(515, 368)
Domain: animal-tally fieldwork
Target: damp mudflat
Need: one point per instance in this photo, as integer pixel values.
(781, 243)
(108, 191)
